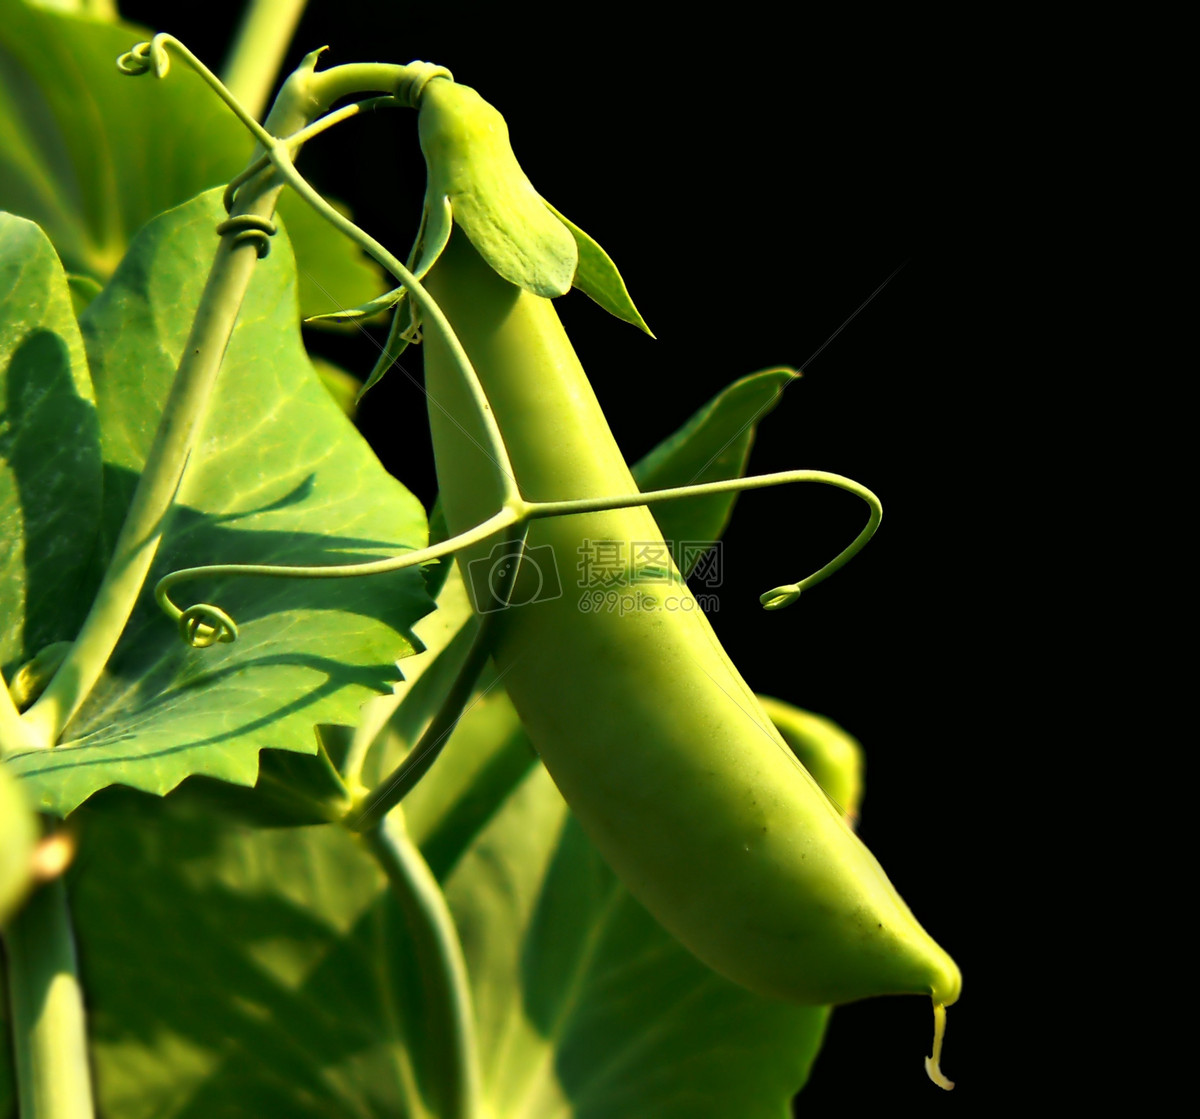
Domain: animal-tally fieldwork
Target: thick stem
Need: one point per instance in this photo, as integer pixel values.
(49, 1033)
(182, 419)
(439, 958)
(257, 53)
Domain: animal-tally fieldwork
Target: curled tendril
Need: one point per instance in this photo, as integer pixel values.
(202, 626)
(780, 597)
(248, 227)
(142, 56)
(417, 75)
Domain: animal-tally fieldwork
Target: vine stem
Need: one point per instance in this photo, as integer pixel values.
(257, 53)
(438, 956)
(48, 1027)
(305, 95)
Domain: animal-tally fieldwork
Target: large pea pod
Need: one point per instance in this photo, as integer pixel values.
(658, 745)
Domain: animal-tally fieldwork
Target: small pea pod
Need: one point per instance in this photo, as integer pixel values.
(833, 757)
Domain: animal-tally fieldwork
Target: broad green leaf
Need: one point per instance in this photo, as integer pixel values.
(92, 155)
(292, 790)
(50, 474)
(241, 973)
(281, 476)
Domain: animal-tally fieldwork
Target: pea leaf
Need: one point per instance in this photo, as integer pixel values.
(91, 155)
(283, 477)
(241, 973)
(50, 474)
(714, 444)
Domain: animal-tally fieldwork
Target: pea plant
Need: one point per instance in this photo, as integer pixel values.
(317, 802)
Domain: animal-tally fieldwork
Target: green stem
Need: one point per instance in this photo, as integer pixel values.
(257, 53)
(180, 424)
(439, 957)
(305, 96)
(397, 785)
(49, 1033)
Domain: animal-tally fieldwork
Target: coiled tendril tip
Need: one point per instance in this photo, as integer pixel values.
(202, 626)
(142, 56)
(780, 597)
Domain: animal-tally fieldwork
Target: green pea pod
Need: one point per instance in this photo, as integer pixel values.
(657, 744)
(18, 835)
(833, 758)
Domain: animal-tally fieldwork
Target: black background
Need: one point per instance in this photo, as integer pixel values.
(756, 182)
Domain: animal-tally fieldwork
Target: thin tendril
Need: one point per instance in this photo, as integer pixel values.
(203, 625)
(250, 227)
(777, 597)
(424, 301)
(142, 56)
